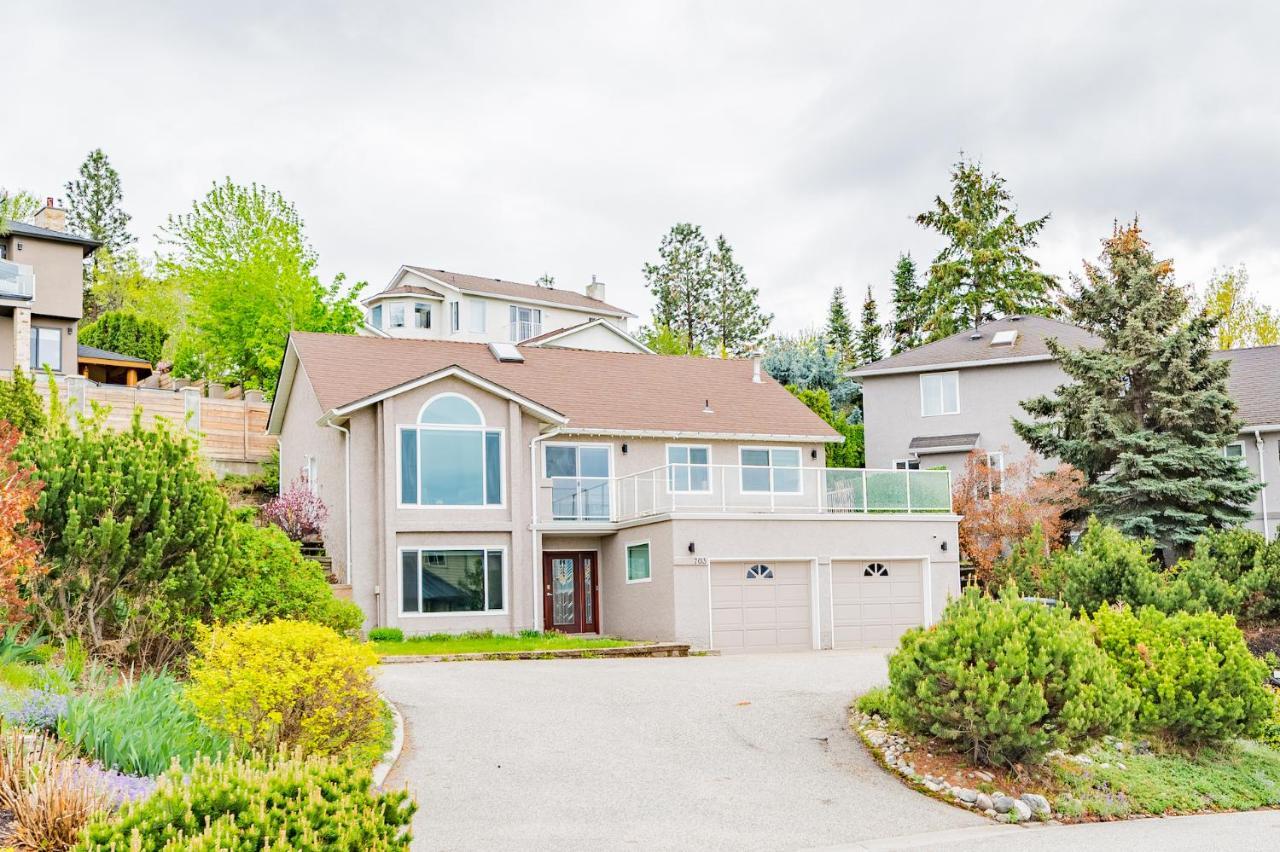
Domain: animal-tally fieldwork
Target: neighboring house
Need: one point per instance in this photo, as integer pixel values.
(41, 292)
(933, 405)
(432, 304)
(504, 487)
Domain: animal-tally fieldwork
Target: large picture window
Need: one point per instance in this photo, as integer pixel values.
(939, 394)
(688, 469)
(452, 580)
(450, 458)
(579, 477)
(773, 469)
(46, 348)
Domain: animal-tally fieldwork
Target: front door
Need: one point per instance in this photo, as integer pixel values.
(571, 591)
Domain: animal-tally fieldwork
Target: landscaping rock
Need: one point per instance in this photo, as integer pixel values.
(965, 795)
(1039, 804)
(1003, 804)
(990, 812)
(983, 802)
(875, 736)
(985, 776)
(1021, 809)
(1002, 817)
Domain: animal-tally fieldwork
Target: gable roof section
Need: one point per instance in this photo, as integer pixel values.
(1255, 383)
(963, 350)
(514, 290)
(597, 392)
(563, 337)
(22, 229)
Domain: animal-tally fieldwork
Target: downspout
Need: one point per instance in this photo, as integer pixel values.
(346, 451)
(533, 524)
(1262, 495)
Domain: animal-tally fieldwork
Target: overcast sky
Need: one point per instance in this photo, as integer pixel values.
(512, 139)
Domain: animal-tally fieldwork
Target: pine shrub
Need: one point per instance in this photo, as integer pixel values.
(255, 805)
(287, 683)
(1007, 681)
(1197, 680)
(1106, 566)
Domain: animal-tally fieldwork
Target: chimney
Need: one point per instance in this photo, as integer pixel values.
(595, 290)
(756, 358)
(53, 218)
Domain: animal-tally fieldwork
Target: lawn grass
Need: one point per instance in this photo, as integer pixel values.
(493, 643)
(1236, 776)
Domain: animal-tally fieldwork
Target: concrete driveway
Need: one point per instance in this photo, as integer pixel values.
(706, 752)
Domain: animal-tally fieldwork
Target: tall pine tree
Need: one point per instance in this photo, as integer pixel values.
(905, 330)
(737, 323)
(93, 211)
(1145, 415)
(839, 329)
(682, 285)
(869, 332)
(984, 271)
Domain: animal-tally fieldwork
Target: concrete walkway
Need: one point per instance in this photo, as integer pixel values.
(700, 753)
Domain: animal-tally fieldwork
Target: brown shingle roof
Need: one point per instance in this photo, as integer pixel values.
(498, 287)
(962, 348)
(1255, 383)
(595, 390)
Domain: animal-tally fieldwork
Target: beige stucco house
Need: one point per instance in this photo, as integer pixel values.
(933, 405)
(504, 487)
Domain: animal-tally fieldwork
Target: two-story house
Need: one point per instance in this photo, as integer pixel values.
(499, 486)
(432, 304)
(933, 405)
(41, 292)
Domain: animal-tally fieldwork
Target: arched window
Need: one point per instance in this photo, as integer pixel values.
(875, 569)
(759, 572)
(450, 458)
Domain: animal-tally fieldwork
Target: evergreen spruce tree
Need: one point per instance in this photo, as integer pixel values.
(984, 271)
(869, 331)
(737, 323)
(93, 211)
(839, 329)
(905, 330)
(1146, 414)
(682, 284)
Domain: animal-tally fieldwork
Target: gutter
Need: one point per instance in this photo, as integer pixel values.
(346, 451)
(948, 365)
(533, 526)
(1262, 495)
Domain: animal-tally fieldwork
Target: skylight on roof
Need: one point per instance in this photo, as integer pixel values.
(506, 353)
(1004, 338)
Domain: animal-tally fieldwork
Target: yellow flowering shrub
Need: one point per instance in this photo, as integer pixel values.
(290, 683)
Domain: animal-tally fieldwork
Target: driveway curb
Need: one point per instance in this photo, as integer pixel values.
(656, 649)
(389, 758)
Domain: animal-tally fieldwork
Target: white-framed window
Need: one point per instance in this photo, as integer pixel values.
(395, 315)
(579, 475)
(455, 317)
(46, 348)
(995, 471)
(452, 580)
(638, 568)
(1234, 450)
(477, 311)
(906, 464)
(310, 475)
(421, 315)
(375, 316)
(688, 469)
(765, 470)
(450, 458)
(525, 322)
(939, 394)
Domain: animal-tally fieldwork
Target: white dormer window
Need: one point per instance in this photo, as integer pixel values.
(421, 315)
(375, 316)
(1005, 338)
(455, 317)
(525, 322)
(395, 316)
(939, 394)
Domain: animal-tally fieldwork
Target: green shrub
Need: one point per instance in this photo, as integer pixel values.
(876, 702)
(1028, 566)
(139, 728)
(386, 634)
(1006, 680)
(271, 579)
(123, 332)
(254, 805)
(1197, 680)
(1270, 733)
(287, 683)
(1106, 566)
(20, 405)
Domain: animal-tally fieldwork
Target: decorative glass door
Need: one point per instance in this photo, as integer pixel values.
(571, 591)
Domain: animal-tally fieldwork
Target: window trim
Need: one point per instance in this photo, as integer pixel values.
(486, 548)
(742, 469)
(455, 317)
(375, 316)
(905, 464)
(392, 308)
(482, 428)
(608, 479)
(1242, 458)
(421, 309)
(710, 489)
(955, 373)
(626, 567)
(991, 485)
(36, 364)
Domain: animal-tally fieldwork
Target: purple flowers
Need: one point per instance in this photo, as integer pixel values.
(121, 788)
(37, 709)
(298, 511)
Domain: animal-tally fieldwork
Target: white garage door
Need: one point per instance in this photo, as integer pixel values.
(875, 601)
(760, 606)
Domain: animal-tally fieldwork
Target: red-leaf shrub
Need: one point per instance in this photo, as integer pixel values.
(19, 552)
(298, 511)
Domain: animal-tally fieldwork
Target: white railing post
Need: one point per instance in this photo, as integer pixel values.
(907, 474)
(866, 507)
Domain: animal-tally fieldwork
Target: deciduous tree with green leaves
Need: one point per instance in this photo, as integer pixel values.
(242, 258)
(1242, 319)
(737, 323)
(905, 330)
(839, 328)
(850, 453)
(984, 271)
(123, 332)
(16, 207)
(682, 284)
(869, 332)
(1145, 415)
(125, 282)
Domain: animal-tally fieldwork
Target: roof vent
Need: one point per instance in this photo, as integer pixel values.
(977, 335)
(1005, 338)
(1014, 318)
(707, 409)
(506, 353)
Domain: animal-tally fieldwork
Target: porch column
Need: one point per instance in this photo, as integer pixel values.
(21, 339)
